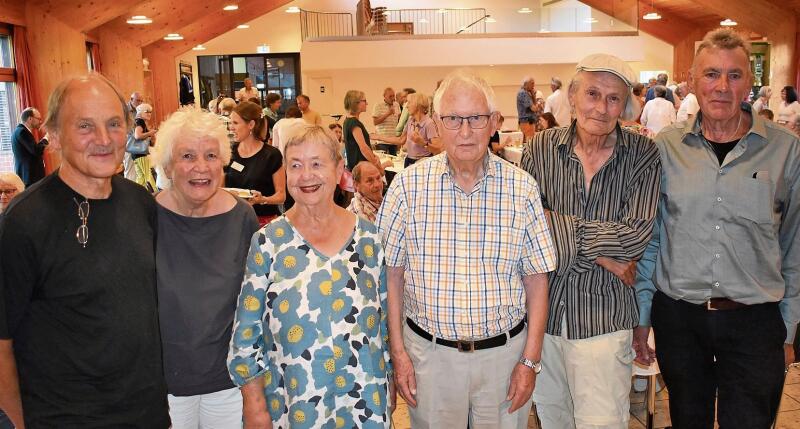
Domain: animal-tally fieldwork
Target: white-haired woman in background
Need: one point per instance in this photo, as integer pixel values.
(762, 102)
(10, 186)
(204, 234)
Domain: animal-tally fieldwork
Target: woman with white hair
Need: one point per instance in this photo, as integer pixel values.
(10, 186)
(144, 172)
(204, 234)
(420, 136)
(762, 102)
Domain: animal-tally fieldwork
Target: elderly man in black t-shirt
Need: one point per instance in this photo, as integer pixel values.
(79, 337)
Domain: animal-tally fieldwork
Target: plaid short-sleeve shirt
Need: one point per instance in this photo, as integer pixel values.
(465, 251)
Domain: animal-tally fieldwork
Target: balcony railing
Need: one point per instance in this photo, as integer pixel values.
(325, 24)
(435, 21)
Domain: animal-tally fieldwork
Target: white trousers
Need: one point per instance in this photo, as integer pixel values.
(585, 383)
(454, 386)
(218, 410)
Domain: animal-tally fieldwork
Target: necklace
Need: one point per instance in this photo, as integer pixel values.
(736, 131)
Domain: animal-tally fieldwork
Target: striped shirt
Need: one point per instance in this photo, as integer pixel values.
(465, 251)
(613, 219)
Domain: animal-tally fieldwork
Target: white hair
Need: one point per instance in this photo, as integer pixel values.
(13, 180)
(463, 78)
(190, 123)
(144, 107)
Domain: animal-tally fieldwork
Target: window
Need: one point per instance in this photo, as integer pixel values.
(8, 103)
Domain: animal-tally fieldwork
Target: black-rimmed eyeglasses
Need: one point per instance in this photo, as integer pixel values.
(10, 191)
(476, 122)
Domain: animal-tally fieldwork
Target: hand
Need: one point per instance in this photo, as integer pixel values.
(392, 396)
(416, 138)
(788, 354)
(257, 198)
(256, 417)
(404, 378)
(625, 271)
(644, 354)
(523, 380)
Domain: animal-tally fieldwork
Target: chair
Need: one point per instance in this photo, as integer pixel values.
(651, 372)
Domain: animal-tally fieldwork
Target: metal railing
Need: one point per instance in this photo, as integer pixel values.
(325, 24)
(435, 21)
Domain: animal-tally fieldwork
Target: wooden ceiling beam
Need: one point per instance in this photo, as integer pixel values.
(84, 15)
(761, 16)
(669, 28)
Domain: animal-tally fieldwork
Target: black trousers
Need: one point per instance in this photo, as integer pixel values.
(735, 356)
(388, 148)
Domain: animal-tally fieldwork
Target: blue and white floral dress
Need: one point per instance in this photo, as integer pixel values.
(315, 328)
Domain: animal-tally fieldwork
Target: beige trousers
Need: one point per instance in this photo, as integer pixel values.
(585, 383)
(454, 386)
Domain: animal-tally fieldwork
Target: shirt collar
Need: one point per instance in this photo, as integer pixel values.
(489, 165)
(758, 126)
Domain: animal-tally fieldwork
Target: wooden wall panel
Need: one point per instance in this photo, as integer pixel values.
(164, 72)
(121, 61)
(12, 12)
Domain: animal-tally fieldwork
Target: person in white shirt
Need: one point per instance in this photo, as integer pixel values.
(658, 112)
(557, 104)
(248, 92)
(789, 106)
(689, 106)
(283, 129)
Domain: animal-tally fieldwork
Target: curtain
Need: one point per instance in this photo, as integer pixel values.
(23, 62)
(94, 49)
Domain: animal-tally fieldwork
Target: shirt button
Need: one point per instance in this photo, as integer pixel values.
(716, 227)
(721, 172)
(716, 255)
(716, 284)
(719, 198)
(561, 303)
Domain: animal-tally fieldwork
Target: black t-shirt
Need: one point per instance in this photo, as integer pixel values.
(197, 291)
(255, 173)
(722, 149)
(83, 320)
(354, 155)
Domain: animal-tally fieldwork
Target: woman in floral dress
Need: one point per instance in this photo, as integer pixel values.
(309, 338)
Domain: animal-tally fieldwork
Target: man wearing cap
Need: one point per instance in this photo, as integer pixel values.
(721, 277)
(599, 186)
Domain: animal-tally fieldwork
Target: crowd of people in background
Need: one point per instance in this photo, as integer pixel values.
(271, 271)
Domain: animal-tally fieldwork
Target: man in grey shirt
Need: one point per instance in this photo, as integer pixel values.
(720, 278)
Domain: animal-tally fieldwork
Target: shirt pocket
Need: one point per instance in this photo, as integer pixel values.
(754, 199)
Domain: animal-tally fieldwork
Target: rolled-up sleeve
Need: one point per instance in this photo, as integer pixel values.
(391, 221)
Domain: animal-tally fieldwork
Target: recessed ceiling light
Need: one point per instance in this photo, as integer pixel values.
(423, 21)
(173, 36)
(525, 10)
(231, 7)
(728, 22)
(590, 20)
(243, 26)
(139, 19)
(263, 49)
(293, 9)
(489, 19)
(199, 48)
(652, 16)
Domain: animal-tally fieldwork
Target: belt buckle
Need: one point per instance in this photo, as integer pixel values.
(709, 307)
(465, 346)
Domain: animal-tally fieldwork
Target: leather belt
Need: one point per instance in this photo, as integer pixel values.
(722, 304)
(468, 346)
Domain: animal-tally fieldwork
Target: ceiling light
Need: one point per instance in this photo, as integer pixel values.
(525, 10)
(544, 30)
(263, 49)
(231, 7)
(652, 16)
(199, 48)
(243, 26)
(441, 11)
(489, 19)
(293, 9)
(590, 20)
(139, 19)
(423, 21)
(173, 36)
(728, 22)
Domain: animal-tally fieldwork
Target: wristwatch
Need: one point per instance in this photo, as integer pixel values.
(535, 366)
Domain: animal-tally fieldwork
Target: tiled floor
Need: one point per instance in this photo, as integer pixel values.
(788, 416)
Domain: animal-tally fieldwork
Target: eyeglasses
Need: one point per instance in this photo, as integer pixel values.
(82, 234)
(363, 99)
(10, 191)
(476, 122)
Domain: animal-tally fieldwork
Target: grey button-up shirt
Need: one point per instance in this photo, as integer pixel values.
(726, 231)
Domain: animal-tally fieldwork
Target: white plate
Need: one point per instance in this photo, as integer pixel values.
(241, 193)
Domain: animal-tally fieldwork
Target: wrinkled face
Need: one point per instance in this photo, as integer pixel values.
(136, 99)
(721, 80)
(598, 101)
(388, 96)
(371, 184)
(7, 193)
(248, 83)
(312, 173)
(92, 130)
(302, 104)
(195, 170)
(35, 120)
(465, 144)
(401, 97)
(241, 128)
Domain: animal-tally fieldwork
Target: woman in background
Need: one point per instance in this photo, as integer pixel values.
(10, 186)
